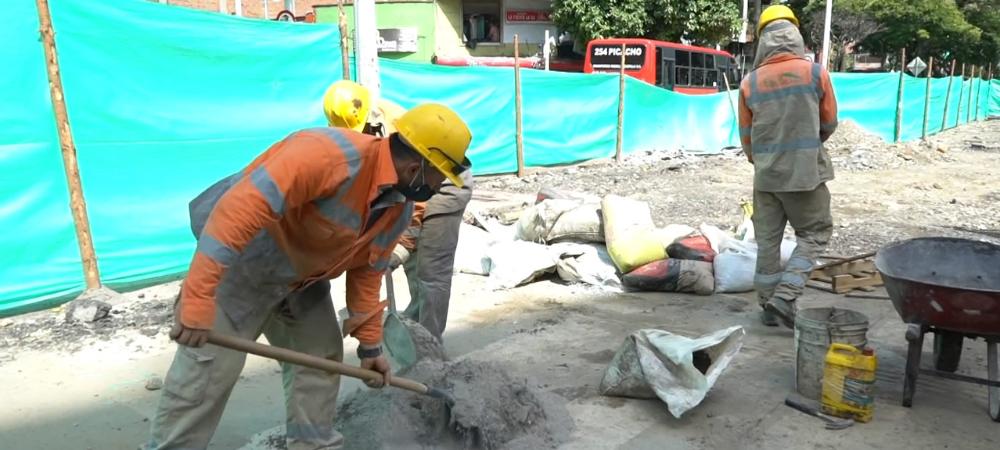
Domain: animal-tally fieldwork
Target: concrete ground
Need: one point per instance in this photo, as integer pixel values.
(560, 337)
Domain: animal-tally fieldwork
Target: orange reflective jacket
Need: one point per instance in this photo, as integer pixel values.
(324, 199)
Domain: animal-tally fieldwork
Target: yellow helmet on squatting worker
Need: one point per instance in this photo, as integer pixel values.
(346, 105)
(439, 135)
(776, 12)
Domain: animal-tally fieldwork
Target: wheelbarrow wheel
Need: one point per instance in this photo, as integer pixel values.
(947, 350)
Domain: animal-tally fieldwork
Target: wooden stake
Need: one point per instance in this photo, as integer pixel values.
(345, 58)
(961, 95)
(77, 202)
(927, 97)
(517, 108)
(989, 89)
(621, 106)
(899, 97)
(947, 96)
(979, 92)
(972, 81)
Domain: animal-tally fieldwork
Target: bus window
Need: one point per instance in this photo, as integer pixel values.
(697, 60)
(709, 62)
(697, 77)
(712, 79)
(659, 73)
(683, 58)
(683, 76)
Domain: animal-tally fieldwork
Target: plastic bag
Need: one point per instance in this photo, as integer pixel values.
(678, 370)
(632, 238)
(672, 275)
(734, 271)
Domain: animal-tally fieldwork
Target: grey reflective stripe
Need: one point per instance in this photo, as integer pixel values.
(756, 98)
(333, 208)
(381, 265)
(828, 126)
(797, 144)
(815, 79)
(745, 131)
(262, 180)
(222, 254)
(402, 222)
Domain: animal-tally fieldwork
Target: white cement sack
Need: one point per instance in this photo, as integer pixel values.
(587, 263)
(471, 254)
(737, 264)
(673, 233)
(518, 262)
(676, 369)
(536, 221)
(580, 224)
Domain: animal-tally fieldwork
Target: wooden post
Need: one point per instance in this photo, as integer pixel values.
(621, 106)
(961, 95)
(972, 82)
(979, 92)
(989, 89)
(947, 96)
(927, 97)
(77, 202)
(345, 58)
(517, 108)
(899, 97)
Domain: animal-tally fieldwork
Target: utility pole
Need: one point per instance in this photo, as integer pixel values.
(366, 47)
(826, 33)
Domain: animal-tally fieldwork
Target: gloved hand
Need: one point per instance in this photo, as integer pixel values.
(399, 256)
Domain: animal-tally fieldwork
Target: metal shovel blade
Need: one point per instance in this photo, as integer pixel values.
(396, 335)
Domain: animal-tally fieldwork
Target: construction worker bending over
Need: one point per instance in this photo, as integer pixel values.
(787, 110)
(432, 236)
(321, 203)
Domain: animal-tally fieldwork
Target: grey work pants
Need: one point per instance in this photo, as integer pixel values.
(809, 214)
(429, 269)
(200, 380)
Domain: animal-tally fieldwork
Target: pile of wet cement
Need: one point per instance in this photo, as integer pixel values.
(492, 409)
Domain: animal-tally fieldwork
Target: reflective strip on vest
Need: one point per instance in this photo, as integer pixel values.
(333, 208)
(219, 252)
(264, 183)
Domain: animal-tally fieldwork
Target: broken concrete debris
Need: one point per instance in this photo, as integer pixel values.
(87, 310)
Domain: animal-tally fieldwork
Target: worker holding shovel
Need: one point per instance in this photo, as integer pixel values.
(432, 236)
(787, 110)
(319, 204)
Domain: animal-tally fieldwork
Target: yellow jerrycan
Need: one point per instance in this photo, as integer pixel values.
(849, 382)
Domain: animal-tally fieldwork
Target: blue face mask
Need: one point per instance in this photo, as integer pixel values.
(418, 192)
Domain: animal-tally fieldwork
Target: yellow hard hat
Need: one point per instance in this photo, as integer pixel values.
(346, 105)
(776, 12)
(439, 135)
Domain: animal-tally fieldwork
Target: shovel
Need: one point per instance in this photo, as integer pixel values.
(396, 335)
(315, 362)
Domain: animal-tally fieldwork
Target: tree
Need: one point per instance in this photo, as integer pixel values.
(850, 25)
(706, 22)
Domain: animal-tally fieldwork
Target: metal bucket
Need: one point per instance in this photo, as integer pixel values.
(815, 330)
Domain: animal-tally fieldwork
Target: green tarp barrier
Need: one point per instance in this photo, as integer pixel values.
(164, 100)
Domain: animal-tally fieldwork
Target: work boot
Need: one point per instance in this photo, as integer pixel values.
(768, 318)
(783, 309)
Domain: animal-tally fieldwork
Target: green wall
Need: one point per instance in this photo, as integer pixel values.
(421, 15)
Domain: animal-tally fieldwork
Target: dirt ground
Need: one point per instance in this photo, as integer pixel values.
(78, 387)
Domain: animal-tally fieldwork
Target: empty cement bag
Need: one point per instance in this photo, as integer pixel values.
(580, 224)
(518, 262)
(472, 251)
(588, 264)
(695, 248)
(672, 275)
(676, 369)
(631, 236)
(536, 222)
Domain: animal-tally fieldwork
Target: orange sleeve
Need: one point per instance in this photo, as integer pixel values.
(827, 107)
(745, 117)
(363, 286)
(409, 238)
(295, 171)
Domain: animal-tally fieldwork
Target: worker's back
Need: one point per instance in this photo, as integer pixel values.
(791, 109)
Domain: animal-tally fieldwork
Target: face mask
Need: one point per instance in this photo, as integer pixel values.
(419, 193)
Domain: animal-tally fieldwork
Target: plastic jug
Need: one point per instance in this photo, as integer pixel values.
(849, 382)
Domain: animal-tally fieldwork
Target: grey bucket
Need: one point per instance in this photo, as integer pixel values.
(815, 330)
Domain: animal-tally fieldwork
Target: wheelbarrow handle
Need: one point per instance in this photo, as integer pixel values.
(313, 362)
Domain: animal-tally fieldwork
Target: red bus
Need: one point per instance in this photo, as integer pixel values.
(677, 67)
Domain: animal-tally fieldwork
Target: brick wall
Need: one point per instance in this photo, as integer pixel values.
(251, 8)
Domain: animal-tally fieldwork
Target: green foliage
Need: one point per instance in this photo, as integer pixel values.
(706, 22)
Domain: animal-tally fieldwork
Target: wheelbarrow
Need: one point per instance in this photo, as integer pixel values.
(949, 287)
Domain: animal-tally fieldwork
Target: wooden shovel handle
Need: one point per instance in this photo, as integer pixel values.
(306, 360)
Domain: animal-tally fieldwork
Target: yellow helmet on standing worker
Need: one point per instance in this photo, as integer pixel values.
(439, 135)
(346, 105)
(776, 12)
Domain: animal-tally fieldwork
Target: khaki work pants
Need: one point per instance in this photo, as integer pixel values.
(809, 214)
(200, 380)
(429, 270)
